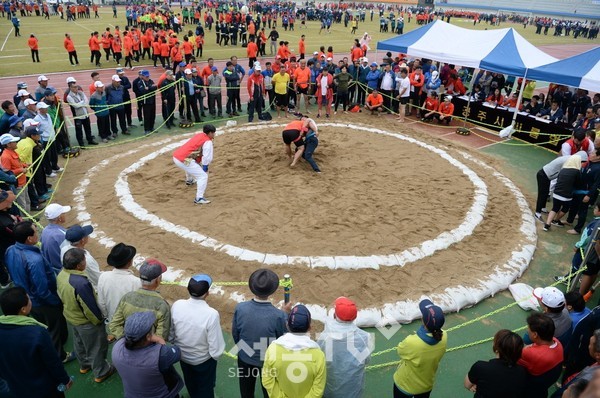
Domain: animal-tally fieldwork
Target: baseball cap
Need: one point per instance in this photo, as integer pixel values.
(120, 70)
(138, 325)
(374, 64)
(151, 269)
(30, 122)
(54, 210)
(29, 101)
(42, 78)
(169, 73)
(49, 91)
(258, 68)
(550, 296)
(42, 105)
(71, 79)
(194, 70)
(329, 59)
(187, 71)
(116, 78)
(23, 93)
(8, 138)
(299, 319)
(316, 53)
(98, 84)
(145, 73)
(182, 64)
(214, 69)
(345, 309)
(365, 59)
(433, 316)
(448, 98)
(199, 285)
(77, 232)
(21, 85)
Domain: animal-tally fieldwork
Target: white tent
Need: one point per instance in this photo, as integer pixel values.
(497, 50)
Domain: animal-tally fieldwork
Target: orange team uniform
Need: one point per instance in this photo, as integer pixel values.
(188, 47)
(156, 48)
(252, 50)
(301, 47)
(356, 53)
(432, 104)
(446, 109)
(176, 55)
(375, 100)
(302, 77)
(116, 45)
(251, 29)
(164, 50)
(33, 43)
(69, 46)
(205, 73)
(136, 42)
(94, 44)
(145, 41)
(127, 45)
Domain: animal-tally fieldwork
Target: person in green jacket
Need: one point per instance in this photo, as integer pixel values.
(81, 310)
(420, 355)
(294, 364)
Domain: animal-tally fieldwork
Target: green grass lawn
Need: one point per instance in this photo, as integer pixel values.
(15, 54)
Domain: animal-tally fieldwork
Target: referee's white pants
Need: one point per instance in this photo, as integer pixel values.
(194, 172)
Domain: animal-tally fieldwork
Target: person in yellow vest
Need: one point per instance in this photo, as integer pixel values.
(420, 355)
(294, 364)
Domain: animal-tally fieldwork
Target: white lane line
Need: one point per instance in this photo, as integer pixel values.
(7, 36)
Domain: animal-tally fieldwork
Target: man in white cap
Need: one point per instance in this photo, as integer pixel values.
(553, 305)
(191, 102)
(100, 107)
(10, 162)
(30, 109)
(115, 95)
(41, 88)
(347, 350)
(53, 235)
(48, 136)
(196, 329)
(22, 95)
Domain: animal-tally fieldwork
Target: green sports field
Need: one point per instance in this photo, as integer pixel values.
(16, 60)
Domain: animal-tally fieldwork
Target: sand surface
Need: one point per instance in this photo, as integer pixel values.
(377, 195)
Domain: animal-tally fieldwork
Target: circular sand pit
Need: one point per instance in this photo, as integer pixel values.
(390, 220)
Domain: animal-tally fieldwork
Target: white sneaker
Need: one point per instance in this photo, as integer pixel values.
(201, 201)
(59, 170)
(53, 175)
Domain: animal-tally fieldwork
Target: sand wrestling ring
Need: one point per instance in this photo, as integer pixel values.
(392, 219)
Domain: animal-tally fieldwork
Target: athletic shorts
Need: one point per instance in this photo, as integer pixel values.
(404, 100)
(281, 99)
(592, 269)
(302, 90)
(290, 135)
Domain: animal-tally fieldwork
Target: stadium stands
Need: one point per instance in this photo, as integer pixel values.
(582, 9)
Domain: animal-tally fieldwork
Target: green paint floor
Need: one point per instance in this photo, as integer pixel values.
(552, 257)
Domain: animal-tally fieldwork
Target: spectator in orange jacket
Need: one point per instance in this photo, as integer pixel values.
(70, 47)
(445, 111)
(430, 106)
(374, 102)
(32, 42)
(495, 98)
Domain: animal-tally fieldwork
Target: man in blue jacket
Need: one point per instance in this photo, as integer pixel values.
(29, 364)
(29, 270)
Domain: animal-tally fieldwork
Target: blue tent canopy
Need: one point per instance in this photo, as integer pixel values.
(497, 50)
(582, 70)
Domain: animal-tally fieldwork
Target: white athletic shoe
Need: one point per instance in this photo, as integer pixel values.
(201, 201)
